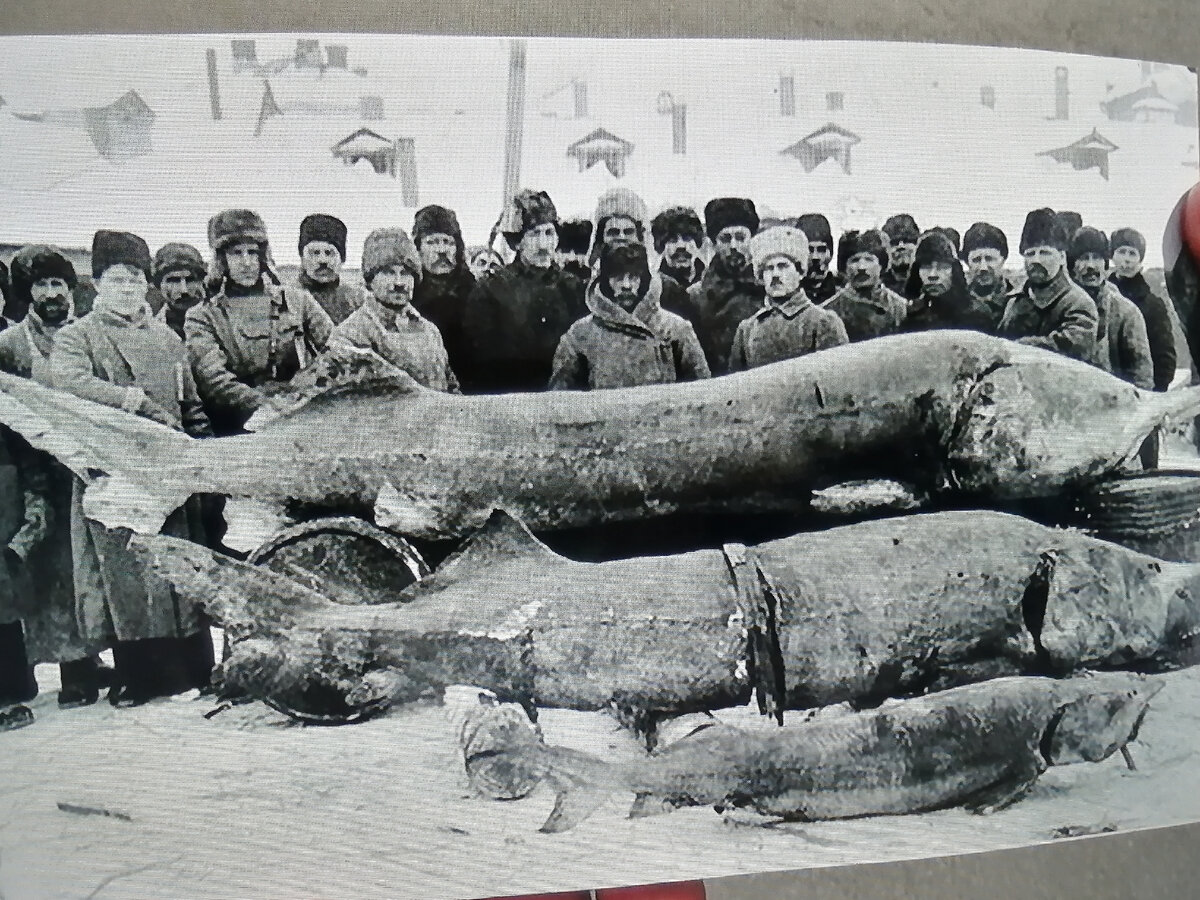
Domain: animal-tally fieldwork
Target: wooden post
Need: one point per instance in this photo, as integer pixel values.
(679, 128)
(1062, 94)
(406, 165)
(515, 125)
(787, 95)
(214, 88)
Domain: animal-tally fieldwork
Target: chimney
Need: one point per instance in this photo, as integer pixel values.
(214, 88)
(787, 96)
(581, 99)
(679, 129)
(987, 96)
(835, 101)
(336, 56)
(308, 54)
(245, 55)
(1062, 94)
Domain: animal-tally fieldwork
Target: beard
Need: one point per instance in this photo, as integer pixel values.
(54, 310)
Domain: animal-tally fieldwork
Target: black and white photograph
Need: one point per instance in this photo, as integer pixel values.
(469, 467)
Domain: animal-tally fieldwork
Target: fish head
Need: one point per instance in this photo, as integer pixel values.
(1034, 421)
(1100, 720)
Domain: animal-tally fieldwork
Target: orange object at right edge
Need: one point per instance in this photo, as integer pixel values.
(680, 890)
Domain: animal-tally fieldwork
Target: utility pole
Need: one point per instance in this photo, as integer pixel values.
(515, 127)
(214, 89)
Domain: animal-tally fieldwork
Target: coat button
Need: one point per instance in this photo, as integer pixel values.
(543, 320)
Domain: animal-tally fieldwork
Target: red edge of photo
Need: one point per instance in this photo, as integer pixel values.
(680, 890)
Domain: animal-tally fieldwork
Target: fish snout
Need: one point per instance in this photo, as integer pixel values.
(1097, 725)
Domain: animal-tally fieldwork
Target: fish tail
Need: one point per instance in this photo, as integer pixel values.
(1174, 404)
(582, 783)
(130, 464)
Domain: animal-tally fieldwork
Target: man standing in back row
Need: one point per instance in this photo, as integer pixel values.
(322, 253)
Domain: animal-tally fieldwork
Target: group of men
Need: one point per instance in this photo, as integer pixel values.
(199, 345)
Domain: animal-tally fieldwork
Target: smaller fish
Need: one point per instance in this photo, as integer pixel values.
(981, 746)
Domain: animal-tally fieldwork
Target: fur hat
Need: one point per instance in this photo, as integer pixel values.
(725, 212)
(34, 262)
(981, 235)
(935, 246)
(853, 243)
(386, 247)
(1044, 228)
(1128, 237)
(816, 228)
(676, 221)
(780, 240)
(951, 233)
(1087, 240)
(111, 248)
(322, 227)
(575, 236)
(235, 226)
(528, 209)
(177, 257)
(436, 220)
(622, 258)
(901, 229)
(620, 201)
(1072, 221)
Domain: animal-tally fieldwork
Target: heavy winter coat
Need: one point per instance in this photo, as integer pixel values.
(684, 277)
(1122, 346)
(883, 312)
(612, 348)
(1159, 329)
(512, 325)
(722, 300)
(824, 288)
(101, 358)
(442, 299)
(240, 346)
(780, 331)
(35, 491)
(407, 340)
(990, 307)
(337, 298)
(1059, 316)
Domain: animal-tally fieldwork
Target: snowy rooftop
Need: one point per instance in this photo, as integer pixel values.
(929, 147)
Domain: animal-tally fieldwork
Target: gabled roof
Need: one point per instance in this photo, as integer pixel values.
(1093, 141)
(828, 136)
(363, 141)
(130, 102)
(601, 138)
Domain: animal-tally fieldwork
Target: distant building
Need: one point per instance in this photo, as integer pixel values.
(245, 55)
(1174, 86)
(602, 146)
(1090, 152)
(831, 141)
(121, 129)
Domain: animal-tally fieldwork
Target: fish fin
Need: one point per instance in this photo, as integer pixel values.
(135, 469)
(501, 539)
(582, 783)
(1155, 408)
(646, 805)
(407, 516)
(1003, 793)
(340, 371)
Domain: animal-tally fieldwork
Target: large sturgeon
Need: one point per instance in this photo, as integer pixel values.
(956, 413)
(856, 613)
(981, 746)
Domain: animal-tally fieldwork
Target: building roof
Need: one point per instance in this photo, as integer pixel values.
(362, 141)
(600, 139)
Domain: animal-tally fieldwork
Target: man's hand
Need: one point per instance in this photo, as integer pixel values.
(151, 410)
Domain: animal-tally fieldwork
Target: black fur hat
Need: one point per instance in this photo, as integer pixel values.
(235, 226)
(853, 243)
(177, 257)
(1044, 228)
(111, 248)
(981, 235)
(935, 246)
(33, 263)
(901, 229)
(322, 227)
(678, 221)
(725, 212)
(435, 220)
(816, 228)
(621, 259)
(575, 236)
(1087, 240)
(1128, 237)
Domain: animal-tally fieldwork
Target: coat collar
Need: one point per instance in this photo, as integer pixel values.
(644, 315)
(789, 308)
(1044, 296)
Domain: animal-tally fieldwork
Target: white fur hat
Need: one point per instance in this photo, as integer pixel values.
(779, 240)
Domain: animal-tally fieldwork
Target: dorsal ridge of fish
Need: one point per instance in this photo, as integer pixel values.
(503, 537)
(342, 370)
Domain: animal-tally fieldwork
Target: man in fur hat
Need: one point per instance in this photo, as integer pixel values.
(620, 219)
(484, 261)
(902, 235)
(253, 334)
(85, 293)
(820, 282)
(729, 292)
(678, 234)
(445, 282)
(866, 308)
(574, 245)
(985, 250)
(1050, 310)
(789, 324)
(120, 355)
(389, 323)
(179, 272)
(939, 288)
(628, 339)
(515, 319)
(322, 253)
(1127, 248)
(1121, 343)
(36, 532)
